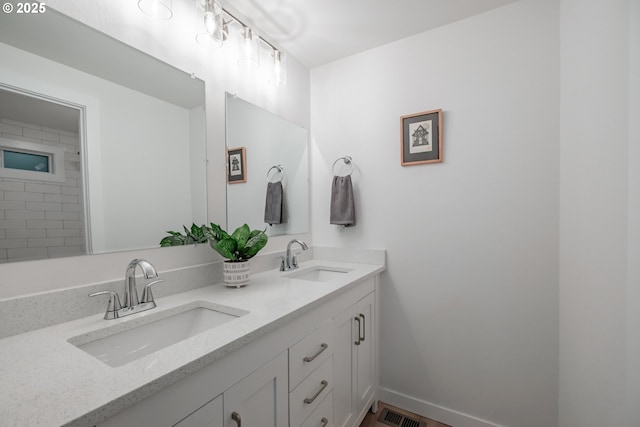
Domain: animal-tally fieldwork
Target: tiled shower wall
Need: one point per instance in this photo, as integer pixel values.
(41, 219)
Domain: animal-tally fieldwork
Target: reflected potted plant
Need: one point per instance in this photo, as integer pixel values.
(238, 247)
(190, 236)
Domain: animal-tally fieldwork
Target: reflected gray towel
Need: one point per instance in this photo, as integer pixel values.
(274, 209)
(343, 211)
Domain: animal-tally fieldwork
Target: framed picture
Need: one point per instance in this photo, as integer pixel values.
(236, 165)
(421, 138)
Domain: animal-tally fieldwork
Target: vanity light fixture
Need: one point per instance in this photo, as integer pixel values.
(249, 49)
(279, 68)
(159, 9)
(210, 25)
(212, 30)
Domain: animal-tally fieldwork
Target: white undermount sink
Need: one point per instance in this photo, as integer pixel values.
(319, 273)
(121, 347)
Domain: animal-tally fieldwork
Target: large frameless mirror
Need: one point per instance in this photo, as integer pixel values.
(266, 149)
(132, 147)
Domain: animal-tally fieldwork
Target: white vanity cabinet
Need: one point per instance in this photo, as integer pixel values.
(316, 370)
(354, 362)
(210, 415)
(260, 399)
(310, 374)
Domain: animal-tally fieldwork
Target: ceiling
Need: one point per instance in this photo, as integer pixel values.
(28, 109)
(318, 32)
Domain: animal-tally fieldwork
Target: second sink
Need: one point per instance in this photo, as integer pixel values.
(122, 347)
(319, 274)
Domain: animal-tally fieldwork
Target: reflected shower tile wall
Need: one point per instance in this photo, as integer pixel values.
(40, 219)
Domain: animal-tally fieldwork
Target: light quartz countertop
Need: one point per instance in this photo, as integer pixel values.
(47, 381)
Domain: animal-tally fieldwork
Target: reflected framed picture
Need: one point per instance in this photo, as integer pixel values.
(236, 165)
(421, 138)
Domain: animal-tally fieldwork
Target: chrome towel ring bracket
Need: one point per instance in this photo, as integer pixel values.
(276, 176)
(348, 161)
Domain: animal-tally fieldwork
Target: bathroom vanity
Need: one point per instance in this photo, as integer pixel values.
(294, 348)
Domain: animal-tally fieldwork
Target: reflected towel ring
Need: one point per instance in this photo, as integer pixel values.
(347, 160)
(280, 170)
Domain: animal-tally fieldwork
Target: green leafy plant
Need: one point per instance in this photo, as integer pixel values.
(241, 245)
(192, 236)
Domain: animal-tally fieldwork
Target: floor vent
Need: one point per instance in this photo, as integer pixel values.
(395, 419)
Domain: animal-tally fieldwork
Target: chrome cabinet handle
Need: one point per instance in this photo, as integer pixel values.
(309, 400)
(364, 326)
(236, 417)
(324, 421)
(323, 347)
(357, 319)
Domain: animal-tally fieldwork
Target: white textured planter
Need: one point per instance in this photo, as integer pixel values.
(236, 273)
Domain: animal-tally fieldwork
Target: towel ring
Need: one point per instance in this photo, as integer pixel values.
(347, 160)
(280, 170)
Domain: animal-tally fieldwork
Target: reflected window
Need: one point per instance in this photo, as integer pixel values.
(26, 161)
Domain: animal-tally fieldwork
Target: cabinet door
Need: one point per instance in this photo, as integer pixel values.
(210, 415)
(365, 358)
(260, 399)
(344, 368)
(354, 361)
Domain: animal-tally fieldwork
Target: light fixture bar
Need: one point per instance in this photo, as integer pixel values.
(238, 21)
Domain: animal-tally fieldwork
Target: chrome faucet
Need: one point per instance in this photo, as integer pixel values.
(131, 303)
(130, 289)
(290, 262)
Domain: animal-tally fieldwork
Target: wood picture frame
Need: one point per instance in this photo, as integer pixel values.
(236, 165)
(421, 138)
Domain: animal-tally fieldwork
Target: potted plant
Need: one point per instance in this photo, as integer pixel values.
(238, 248)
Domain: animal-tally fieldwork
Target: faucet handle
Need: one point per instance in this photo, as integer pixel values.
(147, 295)
(294, 261)
(113, 306)
(282, 266)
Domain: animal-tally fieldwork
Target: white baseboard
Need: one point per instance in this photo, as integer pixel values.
(433, 411)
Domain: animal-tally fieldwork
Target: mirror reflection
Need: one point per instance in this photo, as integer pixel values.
(273, 191)
(138, 165)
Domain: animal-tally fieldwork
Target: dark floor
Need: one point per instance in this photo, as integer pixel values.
(371, 419)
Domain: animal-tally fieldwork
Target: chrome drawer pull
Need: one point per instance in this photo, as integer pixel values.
(323, 347)
(324, 422)
(364, 326)
(357, 319)
(236, 417)
(309, 400)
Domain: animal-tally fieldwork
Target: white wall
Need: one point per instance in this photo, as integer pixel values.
(595, 191)
(469, 302)
(173, 42)
(633, 285)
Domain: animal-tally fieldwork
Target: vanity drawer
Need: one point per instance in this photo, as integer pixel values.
(322, 416)
(309, 353)
(305, 398)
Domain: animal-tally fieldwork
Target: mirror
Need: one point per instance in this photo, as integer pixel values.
(275, 150)
(140, 131)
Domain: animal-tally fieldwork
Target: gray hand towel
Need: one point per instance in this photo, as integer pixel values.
(274, 209)
(342, 205)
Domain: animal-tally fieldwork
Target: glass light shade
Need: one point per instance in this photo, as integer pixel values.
(279, 77)
(249, 49)
(209, 23)
(159, 9)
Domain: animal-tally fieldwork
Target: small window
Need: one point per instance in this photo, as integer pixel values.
(28, 160)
